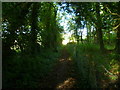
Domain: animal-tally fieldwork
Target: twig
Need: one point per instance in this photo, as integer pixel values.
(108, 71)
(111, 12)
(116, 26)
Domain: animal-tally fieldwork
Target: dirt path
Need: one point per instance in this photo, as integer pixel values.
(61, 78)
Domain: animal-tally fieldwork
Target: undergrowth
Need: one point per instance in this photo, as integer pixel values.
(22, 71)
(94, 69)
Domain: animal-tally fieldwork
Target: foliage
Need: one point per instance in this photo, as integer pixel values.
(92, 66)
(32, 71)
(32, 42)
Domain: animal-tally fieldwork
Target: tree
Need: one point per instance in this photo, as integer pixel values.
(34, 27)
(99, 27)
(118, 31)
(28, 27)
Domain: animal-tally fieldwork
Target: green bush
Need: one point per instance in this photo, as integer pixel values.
(90, 64)
(26, 72)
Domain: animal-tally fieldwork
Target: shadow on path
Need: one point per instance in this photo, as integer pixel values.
(61, 77)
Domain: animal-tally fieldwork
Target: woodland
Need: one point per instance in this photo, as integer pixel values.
(34, 55)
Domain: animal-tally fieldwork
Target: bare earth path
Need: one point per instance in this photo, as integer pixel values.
(61, 78)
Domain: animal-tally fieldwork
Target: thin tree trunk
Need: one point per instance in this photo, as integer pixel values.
(88, 36)
(81, 37)
(94, 38)
(77, 36)
(109, 41)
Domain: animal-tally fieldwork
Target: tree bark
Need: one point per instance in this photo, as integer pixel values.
(81, 37)
(118, 33)
(118, 41)
(34, 19)
(118, 44)
(99, 27)
(88, 36)
(77, 36)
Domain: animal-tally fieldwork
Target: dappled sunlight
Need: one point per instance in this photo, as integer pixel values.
(114, 72)
(64, 42)
(111, 74)
(69, 83)
(67, 59)
(72, 45)
(61, 60)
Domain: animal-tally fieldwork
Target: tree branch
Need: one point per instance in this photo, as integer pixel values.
(112, 13)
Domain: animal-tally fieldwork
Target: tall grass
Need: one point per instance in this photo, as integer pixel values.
(91, 64)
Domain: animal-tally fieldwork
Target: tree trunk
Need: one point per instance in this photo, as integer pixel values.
(77, 36)
(87, 35)
(118, 41)
(81, 37)
(90, 36)
(99, 27)
(88, 29)
(109, 41)
(118, 45)
(94, 37)
(118, 33)
(34, 19)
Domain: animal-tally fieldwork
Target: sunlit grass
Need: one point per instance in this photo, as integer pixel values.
(114, 71)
